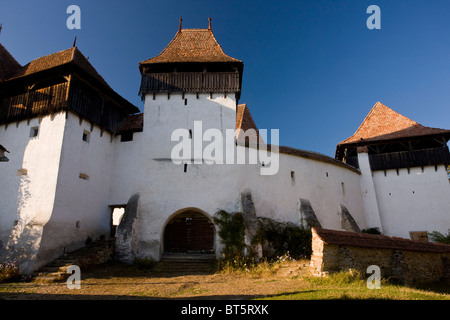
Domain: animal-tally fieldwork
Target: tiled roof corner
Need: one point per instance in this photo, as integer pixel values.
(8, 65)
(71, 55)
(132, 123)
(383, 123)
(192, 45)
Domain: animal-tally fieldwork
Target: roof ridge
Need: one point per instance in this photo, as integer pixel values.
(192, 45)
(8, 64)
(57, 59)
(378, 105)
(196, 29)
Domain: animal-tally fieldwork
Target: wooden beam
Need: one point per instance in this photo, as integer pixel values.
(98, 90)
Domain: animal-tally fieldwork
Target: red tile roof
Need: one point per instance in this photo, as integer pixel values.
(8, 64)
(365, 240)
(192, 45)
(383, 123)
(244, 119)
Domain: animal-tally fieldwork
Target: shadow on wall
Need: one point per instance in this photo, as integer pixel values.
(20, 235)
(28, 195)
(348, 223)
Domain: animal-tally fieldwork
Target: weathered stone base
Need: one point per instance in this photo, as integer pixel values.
(401, 260)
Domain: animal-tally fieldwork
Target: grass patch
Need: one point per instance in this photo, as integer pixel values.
(351, 285)
(282, 280)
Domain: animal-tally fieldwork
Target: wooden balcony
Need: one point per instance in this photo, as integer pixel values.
(407, 159)
(191, 82)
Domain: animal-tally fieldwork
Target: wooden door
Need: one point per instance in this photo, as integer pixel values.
(189, 232)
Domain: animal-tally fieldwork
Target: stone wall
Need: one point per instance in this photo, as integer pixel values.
(401, 260)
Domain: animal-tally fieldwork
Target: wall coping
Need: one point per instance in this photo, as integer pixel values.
(365, 240)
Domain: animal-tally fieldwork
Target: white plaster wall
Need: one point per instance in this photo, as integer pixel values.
(81, 208)
(414, 201)
(162, 116)
(210, 188)
(27, 200)
(144, 166)
(325, 185)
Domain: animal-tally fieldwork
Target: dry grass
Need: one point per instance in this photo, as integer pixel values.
(288, 280)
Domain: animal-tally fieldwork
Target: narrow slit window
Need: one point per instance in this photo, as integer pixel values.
(86, 136)
(126, 136)
(84, 176)
(34, 131)
(185, 167)
(293, 178)
(190, 134)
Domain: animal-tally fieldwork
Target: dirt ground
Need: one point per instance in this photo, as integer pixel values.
(122, 282)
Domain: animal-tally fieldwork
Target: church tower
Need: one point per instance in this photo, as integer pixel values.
(191, 80)
(403, 172)
(191, 86)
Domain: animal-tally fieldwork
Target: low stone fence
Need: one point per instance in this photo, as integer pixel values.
(402, 260)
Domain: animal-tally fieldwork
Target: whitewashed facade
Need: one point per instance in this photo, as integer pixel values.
(66, 174)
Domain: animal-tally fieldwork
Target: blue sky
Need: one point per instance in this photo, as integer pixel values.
(312, 69)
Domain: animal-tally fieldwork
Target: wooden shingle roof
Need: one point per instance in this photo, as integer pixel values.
(8, 65)
(192, 45)
(132, 123)
(68, 56)
(382, 123)
(63, 63)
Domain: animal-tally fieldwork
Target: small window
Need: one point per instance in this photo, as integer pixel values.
(34, 131)
(84, 176)
(190, 134)
(86, 136)
(293, 178)
(126, 136)
(185, 167)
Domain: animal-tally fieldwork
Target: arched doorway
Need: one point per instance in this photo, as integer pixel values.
(189, 232)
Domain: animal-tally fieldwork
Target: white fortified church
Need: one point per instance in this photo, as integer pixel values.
(73, 151)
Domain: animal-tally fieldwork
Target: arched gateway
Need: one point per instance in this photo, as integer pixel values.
(189, 232)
